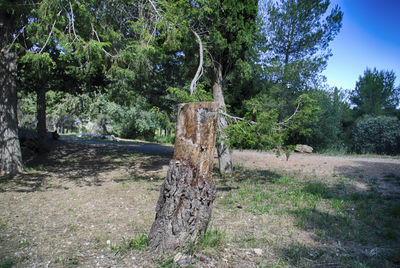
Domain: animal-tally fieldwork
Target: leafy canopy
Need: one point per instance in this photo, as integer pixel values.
(375, 93)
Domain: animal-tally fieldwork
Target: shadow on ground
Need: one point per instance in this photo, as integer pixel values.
(385, 174)
(88, 163)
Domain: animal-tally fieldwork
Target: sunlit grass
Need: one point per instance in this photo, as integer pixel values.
(331, 213)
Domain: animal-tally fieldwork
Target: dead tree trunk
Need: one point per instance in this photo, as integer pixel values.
(185, 203)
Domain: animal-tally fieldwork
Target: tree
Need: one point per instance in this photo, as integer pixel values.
(327, 131)
(261, 130)
(298, 34)
(227, 31)
(92, 43)
(10, 151)
(233, 26)
(375, 93)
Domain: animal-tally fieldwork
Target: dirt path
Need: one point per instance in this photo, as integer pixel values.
(366, 167)
(384, 171)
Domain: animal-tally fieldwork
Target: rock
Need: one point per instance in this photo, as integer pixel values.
(178, 257)
(258, 251)
(183, 260)
(301, 148)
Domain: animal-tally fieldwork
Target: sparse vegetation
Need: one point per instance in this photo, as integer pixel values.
(7, 263)
(343, 222)
(139, 242)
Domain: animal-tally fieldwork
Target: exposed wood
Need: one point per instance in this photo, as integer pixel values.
(185, 203)
(199, 71)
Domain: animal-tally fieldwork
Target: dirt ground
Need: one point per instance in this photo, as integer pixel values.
(369, 169)
(75, 202)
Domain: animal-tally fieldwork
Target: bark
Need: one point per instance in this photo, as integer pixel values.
(185, 203)
(41, 117)
(223, 152)
(10, 150)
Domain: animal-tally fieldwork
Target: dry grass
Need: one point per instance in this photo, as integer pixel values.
(85, 204)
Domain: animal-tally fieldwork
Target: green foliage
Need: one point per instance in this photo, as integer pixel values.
(94, 113)
(375, 93)
(211, 239)
(139, 242)
(298, 34)
(227, 30)
(36, 71)
(6, 263)
(183, 96)
(131, 122)
(262, 130)
(380, 135)
(327, 132)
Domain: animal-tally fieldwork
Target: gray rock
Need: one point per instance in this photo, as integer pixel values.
(301, 148)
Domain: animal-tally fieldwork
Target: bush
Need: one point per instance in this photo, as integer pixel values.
(131, 122)
(380, 135)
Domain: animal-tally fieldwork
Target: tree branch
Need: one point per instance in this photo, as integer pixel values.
(235, 118)
(199, 71)
(19, 32)
(154, 7)
(251, 123)
(98, 39)
(51, 32)
(284, 123)
(73, 24)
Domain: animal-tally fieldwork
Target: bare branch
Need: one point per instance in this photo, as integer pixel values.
(199, 71)
(48, 37)
(19, 32)
(235, 118)
(73, 23)
(284, 123)
(98, 39)
(154, 7)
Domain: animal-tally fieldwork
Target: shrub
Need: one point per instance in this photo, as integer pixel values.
(131, 122)
(380, 135)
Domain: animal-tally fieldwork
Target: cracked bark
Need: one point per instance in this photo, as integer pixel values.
(10, 151)
(186, 196)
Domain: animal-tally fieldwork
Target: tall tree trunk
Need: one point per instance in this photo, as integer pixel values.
(10, 150)
(41, 117)
(224, 155)
(185, 203)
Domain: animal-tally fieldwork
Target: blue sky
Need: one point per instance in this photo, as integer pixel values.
(370, 37)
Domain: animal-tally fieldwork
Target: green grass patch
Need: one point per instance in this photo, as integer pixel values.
(329, 211)
(212, 238)
(6, 263)
(139, 242)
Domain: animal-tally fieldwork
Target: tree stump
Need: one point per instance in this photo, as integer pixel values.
(185, 202)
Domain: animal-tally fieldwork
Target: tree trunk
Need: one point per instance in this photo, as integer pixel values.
(185, 203)
(224, 155)
(10, 150)
(41, 118)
